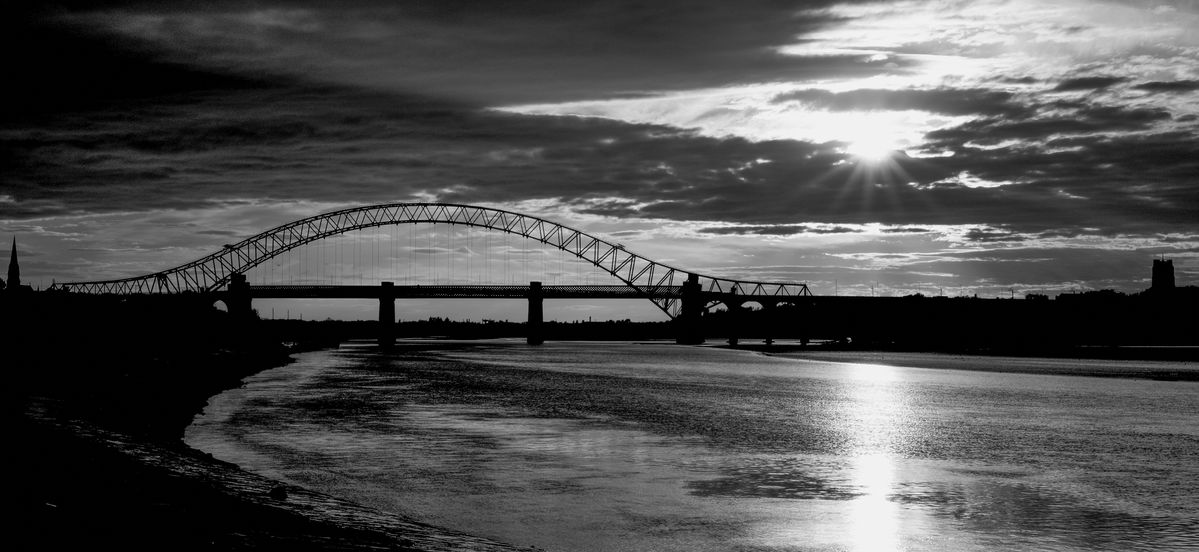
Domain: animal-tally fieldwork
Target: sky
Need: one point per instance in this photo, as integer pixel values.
(990, 148)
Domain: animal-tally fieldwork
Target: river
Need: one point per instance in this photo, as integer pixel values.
(635, 447)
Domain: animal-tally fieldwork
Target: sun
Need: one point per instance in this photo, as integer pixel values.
(871, 149)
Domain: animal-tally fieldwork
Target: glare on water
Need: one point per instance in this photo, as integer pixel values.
(873, 516)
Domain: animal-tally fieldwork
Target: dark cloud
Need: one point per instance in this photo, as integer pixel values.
(53, 68)
(490, 52)
(777, 230)
(1018, 80)
(1069, 118)
(1179, 87)
(1123, 182)
(1088, 83)
(992, 235)
(966, 101)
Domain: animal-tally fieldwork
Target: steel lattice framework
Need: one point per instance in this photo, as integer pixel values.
(651, 279)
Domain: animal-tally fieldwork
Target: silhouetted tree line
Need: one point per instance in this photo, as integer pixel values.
(309, 331)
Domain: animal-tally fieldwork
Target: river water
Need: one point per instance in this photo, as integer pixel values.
(639, 447)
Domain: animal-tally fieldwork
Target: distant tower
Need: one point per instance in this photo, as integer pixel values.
(14, 269)
(1163, 273)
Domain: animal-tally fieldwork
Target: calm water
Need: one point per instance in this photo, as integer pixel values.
(589, 447)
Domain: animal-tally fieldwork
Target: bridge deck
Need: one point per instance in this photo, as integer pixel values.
(456, 291)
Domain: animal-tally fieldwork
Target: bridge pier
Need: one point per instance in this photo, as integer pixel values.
(533, 327)
(387, 315)
(238, 300)
(771, 319)
(736, 319)
(688, 322)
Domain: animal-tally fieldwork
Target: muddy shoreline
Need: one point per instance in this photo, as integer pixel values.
(99, 461)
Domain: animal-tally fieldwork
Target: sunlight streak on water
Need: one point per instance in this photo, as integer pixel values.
(873, 515)
(877, 423)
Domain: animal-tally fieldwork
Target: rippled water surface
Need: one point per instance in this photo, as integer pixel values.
(617, 446)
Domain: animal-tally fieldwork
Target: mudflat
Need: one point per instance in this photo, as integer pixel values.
(97, 462)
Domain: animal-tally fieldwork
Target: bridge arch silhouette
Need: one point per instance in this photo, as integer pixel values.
(660, 283)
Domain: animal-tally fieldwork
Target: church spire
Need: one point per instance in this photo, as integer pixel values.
(14, 269)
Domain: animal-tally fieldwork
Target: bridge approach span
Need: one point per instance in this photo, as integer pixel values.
(455, 292)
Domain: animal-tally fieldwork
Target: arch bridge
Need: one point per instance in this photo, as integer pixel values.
(683, 295)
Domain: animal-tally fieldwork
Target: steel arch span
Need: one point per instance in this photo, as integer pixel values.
(214, 271)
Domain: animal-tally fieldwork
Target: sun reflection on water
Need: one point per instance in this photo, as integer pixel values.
(874, 518)
(878, 423)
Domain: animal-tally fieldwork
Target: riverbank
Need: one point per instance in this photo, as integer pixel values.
(99, 462)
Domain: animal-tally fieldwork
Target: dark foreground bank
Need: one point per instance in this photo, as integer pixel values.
(95, 417)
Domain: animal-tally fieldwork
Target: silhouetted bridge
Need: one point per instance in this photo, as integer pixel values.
(684, 296)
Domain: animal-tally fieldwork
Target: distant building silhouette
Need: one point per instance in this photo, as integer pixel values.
(1163, 274)
(14, 269)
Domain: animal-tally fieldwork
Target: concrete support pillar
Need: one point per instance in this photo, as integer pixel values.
(534, 329)
(387, 315)
(770, 319)
(689, 329)
(238, 299)
(736, 319)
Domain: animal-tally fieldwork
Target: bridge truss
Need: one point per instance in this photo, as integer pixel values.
(652, 280)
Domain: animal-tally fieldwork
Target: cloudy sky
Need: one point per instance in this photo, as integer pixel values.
(983, 147)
